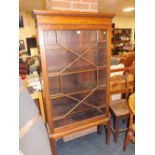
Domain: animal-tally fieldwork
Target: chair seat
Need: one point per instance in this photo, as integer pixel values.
(119, 107)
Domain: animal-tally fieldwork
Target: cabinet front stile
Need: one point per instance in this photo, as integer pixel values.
(46, 94)
(109, 29)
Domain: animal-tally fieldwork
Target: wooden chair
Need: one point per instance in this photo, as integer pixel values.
(119, 108)
(131, 131)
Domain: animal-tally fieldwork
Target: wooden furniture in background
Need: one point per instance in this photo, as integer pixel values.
(75, 52)
(127, 59)
(121, 40)
(119, 108)
(38, 96)
(129, 62)
(131, 130)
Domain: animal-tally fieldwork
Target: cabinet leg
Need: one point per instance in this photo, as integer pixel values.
(108, 132)
(99, 129)
(116, 130)
(53, 146)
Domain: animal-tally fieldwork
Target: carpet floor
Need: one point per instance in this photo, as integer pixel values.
(94, 144)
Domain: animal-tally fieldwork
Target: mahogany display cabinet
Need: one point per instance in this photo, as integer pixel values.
(75, 50)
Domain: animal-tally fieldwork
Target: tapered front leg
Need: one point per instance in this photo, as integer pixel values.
(126, 143)
(53, 146)
(108, 132)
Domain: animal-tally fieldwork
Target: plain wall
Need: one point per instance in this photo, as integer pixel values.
(29, 27)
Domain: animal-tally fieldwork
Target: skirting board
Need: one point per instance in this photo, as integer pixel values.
(79, 134)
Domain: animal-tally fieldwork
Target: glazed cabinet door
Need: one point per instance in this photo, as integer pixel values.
(77, 74)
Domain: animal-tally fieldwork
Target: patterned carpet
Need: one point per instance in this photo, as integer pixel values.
(94, 144)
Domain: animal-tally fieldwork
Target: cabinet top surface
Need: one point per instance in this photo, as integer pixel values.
(72, 13)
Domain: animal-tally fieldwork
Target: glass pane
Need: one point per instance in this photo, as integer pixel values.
(79, 65)
(92, 106)
(97, 98)
(61, 106)
(78, 82)
(54, 85)
(91, 100)
(97, 54)
(76, 61)
(102, 53)
(92, 54)
(58, 58)
(102, 76)
(77, 40)
(77, 117)
(80, 109)
(80, 96)
(83, 116)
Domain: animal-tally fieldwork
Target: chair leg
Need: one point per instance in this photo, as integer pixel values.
(108, 132)
(53, 146)
(125, 143)
(116, 127)
(128, 138)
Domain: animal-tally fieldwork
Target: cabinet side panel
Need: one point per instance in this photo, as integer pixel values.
(46, 94)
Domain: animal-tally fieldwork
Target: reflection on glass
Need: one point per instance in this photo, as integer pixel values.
(102, 35)
(50, 37)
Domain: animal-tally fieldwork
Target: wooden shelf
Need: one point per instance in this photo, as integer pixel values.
(117, 39)
(76, 92)
(75, 71)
